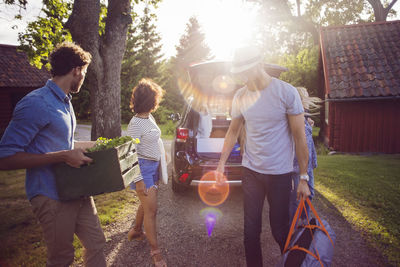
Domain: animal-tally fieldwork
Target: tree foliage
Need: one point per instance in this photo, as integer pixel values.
(142, 58)
(297, 28)
(192, 47)
(173, 100)
(302, 69)
(41, 36)
(293, 18)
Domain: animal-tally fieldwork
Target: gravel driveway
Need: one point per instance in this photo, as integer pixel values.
(184, 241)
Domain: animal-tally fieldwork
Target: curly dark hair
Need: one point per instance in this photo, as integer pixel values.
(146, 96)
(67, 56)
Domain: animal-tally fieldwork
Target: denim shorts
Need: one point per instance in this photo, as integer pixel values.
(149, 171)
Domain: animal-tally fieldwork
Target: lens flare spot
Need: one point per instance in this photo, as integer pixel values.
(211, 192)
(223, 84)
(211, 216)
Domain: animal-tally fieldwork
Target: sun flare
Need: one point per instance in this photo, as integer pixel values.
(227, 24)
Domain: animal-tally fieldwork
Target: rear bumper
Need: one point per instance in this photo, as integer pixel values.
(230, 182)
(233, 173)
(195, 170)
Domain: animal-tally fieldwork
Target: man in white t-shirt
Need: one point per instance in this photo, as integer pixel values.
(272, 113)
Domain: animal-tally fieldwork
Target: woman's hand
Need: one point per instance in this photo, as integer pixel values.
(310, 121)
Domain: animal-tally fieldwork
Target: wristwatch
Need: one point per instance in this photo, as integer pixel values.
(304, 177)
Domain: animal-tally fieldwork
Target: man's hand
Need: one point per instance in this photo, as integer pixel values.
(230, 139)
(141, 188)
(75, 158)
(303, 191)
(219, 173)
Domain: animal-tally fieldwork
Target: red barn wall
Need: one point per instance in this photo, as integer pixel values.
(8, 99)
(365, 126)
(5, 110)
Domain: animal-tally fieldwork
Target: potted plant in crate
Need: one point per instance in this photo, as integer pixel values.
(114, 167)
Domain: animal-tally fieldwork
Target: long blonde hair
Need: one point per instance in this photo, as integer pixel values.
(310, 103)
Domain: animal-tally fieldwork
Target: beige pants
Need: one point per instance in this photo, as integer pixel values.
(60, 220)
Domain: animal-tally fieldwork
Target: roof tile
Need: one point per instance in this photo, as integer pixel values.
(362, 60)
(15, 70)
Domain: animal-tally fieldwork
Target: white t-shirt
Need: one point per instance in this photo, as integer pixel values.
(148, 133)
(269, 143)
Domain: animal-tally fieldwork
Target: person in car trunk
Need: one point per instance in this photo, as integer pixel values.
(272, 113)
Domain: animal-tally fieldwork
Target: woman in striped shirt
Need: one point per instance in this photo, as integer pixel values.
(145, 99)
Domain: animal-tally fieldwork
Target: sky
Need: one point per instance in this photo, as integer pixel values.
(215, 16)
(226, 23)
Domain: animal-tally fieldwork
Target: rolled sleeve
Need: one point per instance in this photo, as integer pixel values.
(293, 101)
(28, 118)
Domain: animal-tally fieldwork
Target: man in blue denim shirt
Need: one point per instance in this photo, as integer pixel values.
(40, 134)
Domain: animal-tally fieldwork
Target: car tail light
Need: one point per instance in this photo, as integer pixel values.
(184, 177)
(182, 134)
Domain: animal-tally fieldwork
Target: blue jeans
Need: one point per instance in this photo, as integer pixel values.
(277, 189)
(149, 172)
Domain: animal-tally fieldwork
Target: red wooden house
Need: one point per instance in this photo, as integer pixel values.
(361, 86)
(17, 78)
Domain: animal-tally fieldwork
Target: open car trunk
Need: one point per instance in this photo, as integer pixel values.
(210, 148)
(213, 91)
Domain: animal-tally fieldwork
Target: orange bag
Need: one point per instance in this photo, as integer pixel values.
(310, 244)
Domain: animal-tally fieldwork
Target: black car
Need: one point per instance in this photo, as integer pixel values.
(202, 126)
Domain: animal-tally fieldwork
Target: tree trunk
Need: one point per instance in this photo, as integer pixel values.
(103, 77)
(380, 12)
(300, 21)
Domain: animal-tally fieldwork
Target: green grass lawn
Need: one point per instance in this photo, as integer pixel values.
(366, 190)
(20, 234)
(166, 131)
(21, 238)
(315, 131)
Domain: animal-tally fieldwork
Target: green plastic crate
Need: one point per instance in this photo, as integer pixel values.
(111, 170)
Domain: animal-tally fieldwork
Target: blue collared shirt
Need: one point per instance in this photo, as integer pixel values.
(43, 121)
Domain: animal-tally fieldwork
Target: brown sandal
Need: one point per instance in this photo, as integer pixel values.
(133, 234)
(161, 262)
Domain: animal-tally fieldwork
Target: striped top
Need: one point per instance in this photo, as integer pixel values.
(148, 133)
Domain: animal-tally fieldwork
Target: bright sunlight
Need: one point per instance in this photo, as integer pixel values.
(227, 24)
